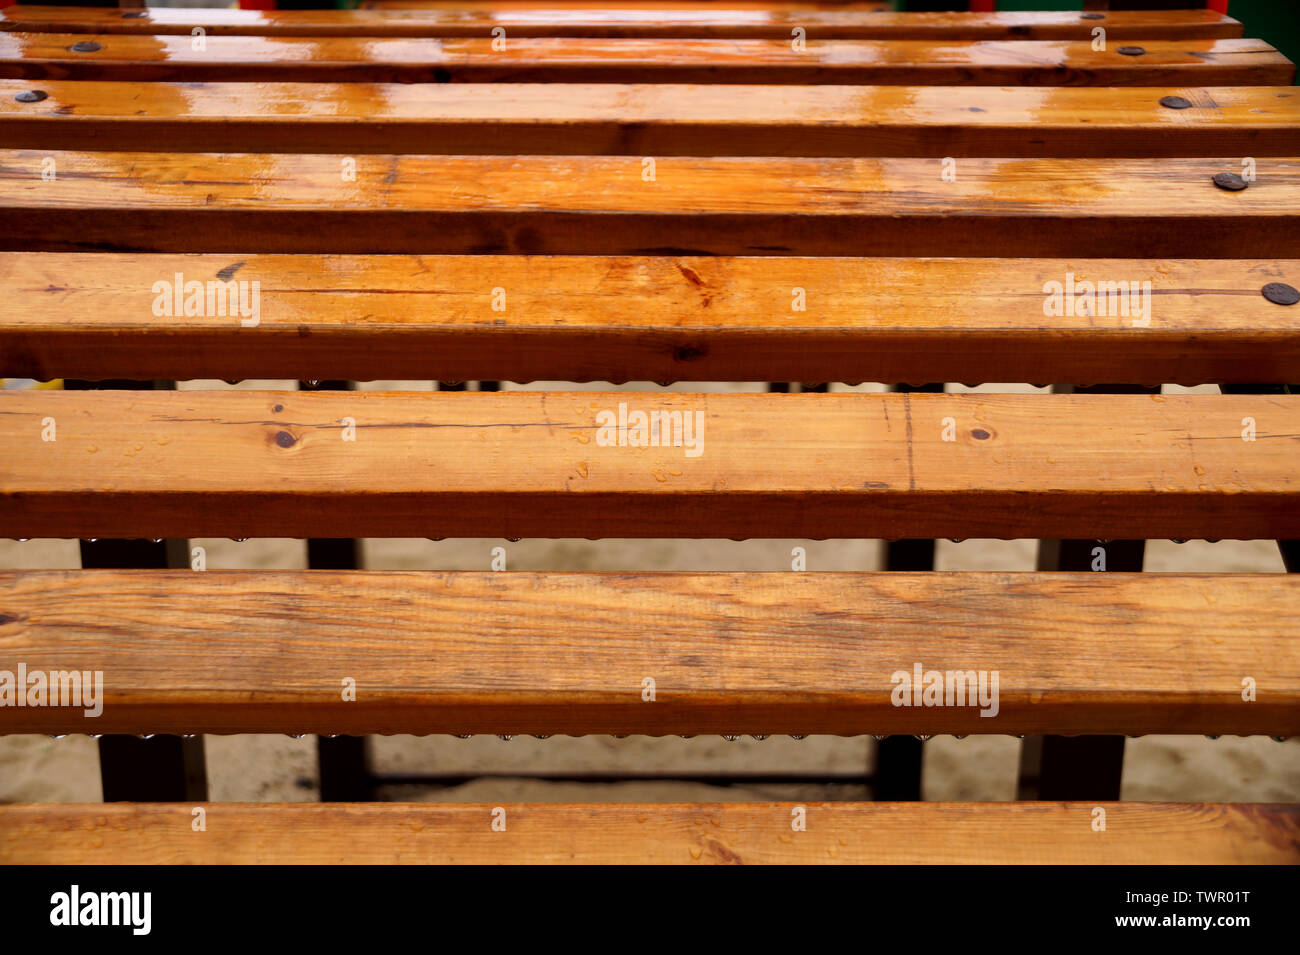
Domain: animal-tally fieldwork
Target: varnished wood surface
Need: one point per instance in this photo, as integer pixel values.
(653, 119)
(535, 464)
(1226, 62)
(570, 653)
(722, 20)
(648, 318)
(668, 833)
(259, 202)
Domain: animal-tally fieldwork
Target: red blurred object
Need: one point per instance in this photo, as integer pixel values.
(257, 4)
(1220, 5)
(982, 6)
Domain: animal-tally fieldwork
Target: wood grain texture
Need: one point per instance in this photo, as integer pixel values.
(261, 202)
(532, 464)
(653, 119)
(652, 318)
(706, 20)
(668, 833)
(568, 653)
(1229, 62)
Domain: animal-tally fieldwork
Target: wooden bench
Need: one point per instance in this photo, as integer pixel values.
(649, 192)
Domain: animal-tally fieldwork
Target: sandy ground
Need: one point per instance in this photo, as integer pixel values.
(275, 768)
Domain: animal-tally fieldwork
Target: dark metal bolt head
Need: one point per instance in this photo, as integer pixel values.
(133, 15)
(1131, 50)
(86, 46)
(1279, 293)
(1230, 181)
(1175, 102)
(1092, 16)
(32, 96)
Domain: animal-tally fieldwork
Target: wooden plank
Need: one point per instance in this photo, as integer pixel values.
(1228, 62)
(254, 202)
(653, 318)
(730, 653)
(653, 119)
(667, 833)
(539, 464)
(722, 21)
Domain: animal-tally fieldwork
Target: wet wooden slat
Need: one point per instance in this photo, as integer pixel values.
(723, 20)
(546, 464)
(681, 833)
(1228, 62)
(653, 119)
(569, 653)
(652, 318)
(258, 202)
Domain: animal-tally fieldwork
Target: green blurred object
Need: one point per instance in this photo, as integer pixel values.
(1276, 21)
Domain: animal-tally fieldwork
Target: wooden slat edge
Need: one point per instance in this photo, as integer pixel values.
(257, 202)
(724, 22)
(652, 119)
(550, 653)
(719, 833)
(548, 464)
(597, 318)
(1226, 62)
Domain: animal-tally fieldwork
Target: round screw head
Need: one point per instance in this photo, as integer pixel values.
(1230, 181)
(31, 96)
(1175, 102)
(86, 46)
(1279, 293)
(133, 15)
(1092, 16)
(1131, 50)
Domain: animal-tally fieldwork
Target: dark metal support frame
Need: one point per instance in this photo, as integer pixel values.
(157, 768)
(899, 759)
(1080, 767)
(342, 760)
